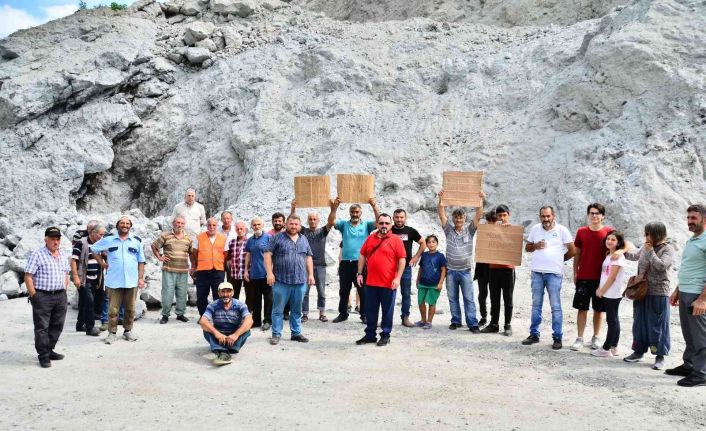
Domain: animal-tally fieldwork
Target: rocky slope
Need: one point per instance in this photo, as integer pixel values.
(560, 102)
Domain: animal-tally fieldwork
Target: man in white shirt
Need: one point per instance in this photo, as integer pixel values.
(193, 212)
(551, 245)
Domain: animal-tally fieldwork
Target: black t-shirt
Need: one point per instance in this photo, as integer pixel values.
(408, 235)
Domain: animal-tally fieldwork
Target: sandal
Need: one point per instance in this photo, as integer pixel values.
(323, 318)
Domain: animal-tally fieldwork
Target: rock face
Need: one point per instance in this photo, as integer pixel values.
(559, 102)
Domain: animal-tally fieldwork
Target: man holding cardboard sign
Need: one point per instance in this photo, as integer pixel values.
(354, 232)
(459, 259)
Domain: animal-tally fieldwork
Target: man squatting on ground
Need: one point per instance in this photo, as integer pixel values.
(226, 325)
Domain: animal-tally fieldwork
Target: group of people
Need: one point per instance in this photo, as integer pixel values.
(276, 269)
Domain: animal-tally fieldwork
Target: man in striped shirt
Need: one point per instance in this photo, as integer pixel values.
(459, 258)
(175, 268)
(87, 275)
(46, 278)
(226, 325)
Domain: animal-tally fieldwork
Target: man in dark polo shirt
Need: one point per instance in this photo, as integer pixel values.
(289, 267)
(47, 277)
(408, 235)
(226, 324)
(386, 259)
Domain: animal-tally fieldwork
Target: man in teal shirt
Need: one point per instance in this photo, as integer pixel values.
(691, 298)
(354, 232)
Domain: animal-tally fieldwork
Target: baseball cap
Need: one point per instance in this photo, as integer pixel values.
(225, 285)
(53, 232)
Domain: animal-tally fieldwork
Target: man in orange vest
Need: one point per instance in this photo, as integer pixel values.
(207, 262)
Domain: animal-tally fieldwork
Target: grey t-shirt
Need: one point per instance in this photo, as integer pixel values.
(317, 242)
(459, 246)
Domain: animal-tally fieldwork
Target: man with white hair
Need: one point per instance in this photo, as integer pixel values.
(176, 246)
(257, 291)
(235, 258)
(125, 275)
(87, 277)
(193, 212)
(208, 263)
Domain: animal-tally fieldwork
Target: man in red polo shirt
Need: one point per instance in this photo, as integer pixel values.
(386, 259)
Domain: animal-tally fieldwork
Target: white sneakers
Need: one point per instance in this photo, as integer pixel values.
(578, 345)
(602, 353)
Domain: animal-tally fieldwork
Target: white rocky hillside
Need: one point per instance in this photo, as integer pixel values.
(560, 102)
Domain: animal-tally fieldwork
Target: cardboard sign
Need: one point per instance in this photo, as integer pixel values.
(499, 244)
(355, 188)
(461, 189)
(312, 192)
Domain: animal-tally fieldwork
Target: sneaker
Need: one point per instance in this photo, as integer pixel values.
(111, 338)
(266, 326)
(681, 370)
(103, 327)
(427, 326)
(407, 323)
(419, 324)
(222, 358)
(366, 340)
(182, 318)
(274, 340)
(594, 343)
(532, 339)
(483, 321)
(614, 351)
(305, 318)
(340, 318)
(490, 329)
(55, 356)
(94, 332)
(383, 341)
(300, 338)
(45, 363)
(691, 381)
(507, 331)
(556, 345)
(601, 353)
(578, 345)
(633, 357)
(659, 363)
(455, 326)
(474, 330)
(129, 336)
(163, 320)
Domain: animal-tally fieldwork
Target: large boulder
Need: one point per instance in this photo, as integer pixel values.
(197, 55)
(198, 30)
(10, 284)
(242, 8)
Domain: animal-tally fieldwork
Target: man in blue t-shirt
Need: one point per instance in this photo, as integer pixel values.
(257, 290)
(354, 232)
(226, 324)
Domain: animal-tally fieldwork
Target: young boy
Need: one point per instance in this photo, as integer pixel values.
(430, 280)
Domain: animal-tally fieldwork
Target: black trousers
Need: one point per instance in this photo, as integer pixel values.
(501, 282)
(207, 282)
(87, 296)
(347, 275)
(49, 314)
(611, 317)
(257, 292)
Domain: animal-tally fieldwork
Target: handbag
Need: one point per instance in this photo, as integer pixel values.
(637, 287)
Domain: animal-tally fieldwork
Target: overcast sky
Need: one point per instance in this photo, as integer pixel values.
(19, 14)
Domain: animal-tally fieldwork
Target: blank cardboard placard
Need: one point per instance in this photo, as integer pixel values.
(355, 188)
(499, 244)
(462, 189)
(312, 191)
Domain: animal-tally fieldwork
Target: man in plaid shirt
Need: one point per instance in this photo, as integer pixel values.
(236, 258)
(47, 277)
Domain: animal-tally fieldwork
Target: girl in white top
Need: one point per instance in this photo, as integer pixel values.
(611, 290)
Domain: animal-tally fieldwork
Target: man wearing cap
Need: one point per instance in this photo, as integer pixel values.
(208, 263)
(193, 212)
(226, 324)
(46, 278)
(289, 267)
(176, 246)
(125, 275)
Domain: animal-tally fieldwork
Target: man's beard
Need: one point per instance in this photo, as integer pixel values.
(257, 233)
(226, 300)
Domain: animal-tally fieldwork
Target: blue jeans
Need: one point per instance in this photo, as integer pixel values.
(464, 281)
(552, 282)
(377, 298)
(292, 294)
(104, 310)
(216, 347)
(406, 290)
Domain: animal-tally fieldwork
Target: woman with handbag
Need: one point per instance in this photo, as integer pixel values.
(650, 328)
